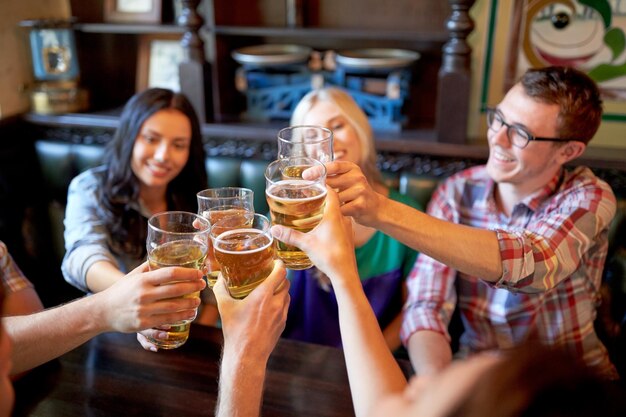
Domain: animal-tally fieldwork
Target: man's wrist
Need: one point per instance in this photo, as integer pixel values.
(238, 362)
(380, 216)
(90, 313)
(240, 384)
(244, 354)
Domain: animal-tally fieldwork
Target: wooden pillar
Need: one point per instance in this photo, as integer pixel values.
(455, 76)
(193, 70)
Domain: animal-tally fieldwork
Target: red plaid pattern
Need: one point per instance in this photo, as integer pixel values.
(10, 274)
(553, 249)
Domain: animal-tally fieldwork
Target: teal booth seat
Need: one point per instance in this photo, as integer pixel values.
(59, 163)
(420, 187)
(233, 172)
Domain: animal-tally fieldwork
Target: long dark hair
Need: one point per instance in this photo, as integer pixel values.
(127, 227)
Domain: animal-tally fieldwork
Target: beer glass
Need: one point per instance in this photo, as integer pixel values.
(217, 203)
(244, 248)
(295, 202)
(177, 238)
(306, 141)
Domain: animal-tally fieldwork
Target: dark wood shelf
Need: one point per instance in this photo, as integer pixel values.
(403, 141)
(334, 33)
(133, 29)
(73, 120)
(419, 40)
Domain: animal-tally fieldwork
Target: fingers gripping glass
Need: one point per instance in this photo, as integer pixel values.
(518, 135)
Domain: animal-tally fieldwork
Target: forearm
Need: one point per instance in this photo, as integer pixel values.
(240, 385)
(391, 333)
(101, 275)
(40, 337)
(429, 352)
(467, 249)
(372, 370)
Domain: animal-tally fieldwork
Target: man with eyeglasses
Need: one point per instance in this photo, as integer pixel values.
(517, 245)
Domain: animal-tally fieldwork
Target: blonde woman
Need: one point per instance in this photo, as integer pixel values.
(383, 262)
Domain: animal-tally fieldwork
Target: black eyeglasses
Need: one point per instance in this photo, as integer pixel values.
(518, 135)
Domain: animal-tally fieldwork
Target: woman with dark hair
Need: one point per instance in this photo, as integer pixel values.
(154, 163)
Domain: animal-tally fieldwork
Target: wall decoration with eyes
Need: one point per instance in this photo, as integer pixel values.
(586, 34)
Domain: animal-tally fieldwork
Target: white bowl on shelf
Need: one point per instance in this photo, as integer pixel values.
(272, 54)
(379, 58)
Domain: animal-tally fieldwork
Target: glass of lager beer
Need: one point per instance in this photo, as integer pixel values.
(306, 141)
(295, 202)
(176, 238)
(217, 203)
(244, 248)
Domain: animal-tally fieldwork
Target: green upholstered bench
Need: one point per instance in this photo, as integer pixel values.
(60, 162)
(233, 172)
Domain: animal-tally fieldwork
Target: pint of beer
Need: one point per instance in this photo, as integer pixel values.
(295, 202)
(245, 250)
(306, 141)
(217, 203)
(176, 238)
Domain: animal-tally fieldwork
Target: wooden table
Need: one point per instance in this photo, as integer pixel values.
(113, 376)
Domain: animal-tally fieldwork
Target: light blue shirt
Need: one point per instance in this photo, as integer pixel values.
(87, 239)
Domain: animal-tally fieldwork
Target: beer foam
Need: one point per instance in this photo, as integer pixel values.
(224, 235)
(296, 185)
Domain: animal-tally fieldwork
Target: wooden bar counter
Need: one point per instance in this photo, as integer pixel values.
(112, 375)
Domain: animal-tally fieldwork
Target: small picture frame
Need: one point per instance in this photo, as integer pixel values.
(132, 11)
(158, 60)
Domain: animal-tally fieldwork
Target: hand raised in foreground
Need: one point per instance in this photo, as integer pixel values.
(253, 325)
(144, 299)
(330, 245)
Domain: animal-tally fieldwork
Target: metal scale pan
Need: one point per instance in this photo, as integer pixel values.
(376, 58)
(272, 55)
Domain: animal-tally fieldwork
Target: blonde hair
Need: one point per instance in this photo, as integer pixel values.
(354, 115)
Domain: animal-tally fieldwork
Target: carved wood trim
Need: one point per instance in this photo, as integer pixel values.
(455, 76)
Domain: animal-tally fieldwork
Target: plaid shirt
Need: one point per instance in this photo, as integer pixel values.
(553, 249)
(11, 276)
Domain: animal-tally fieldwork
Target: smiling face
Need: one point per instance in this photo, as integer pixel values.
(161, 149)
(346, 143)
(523, 171)
(437, 395)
